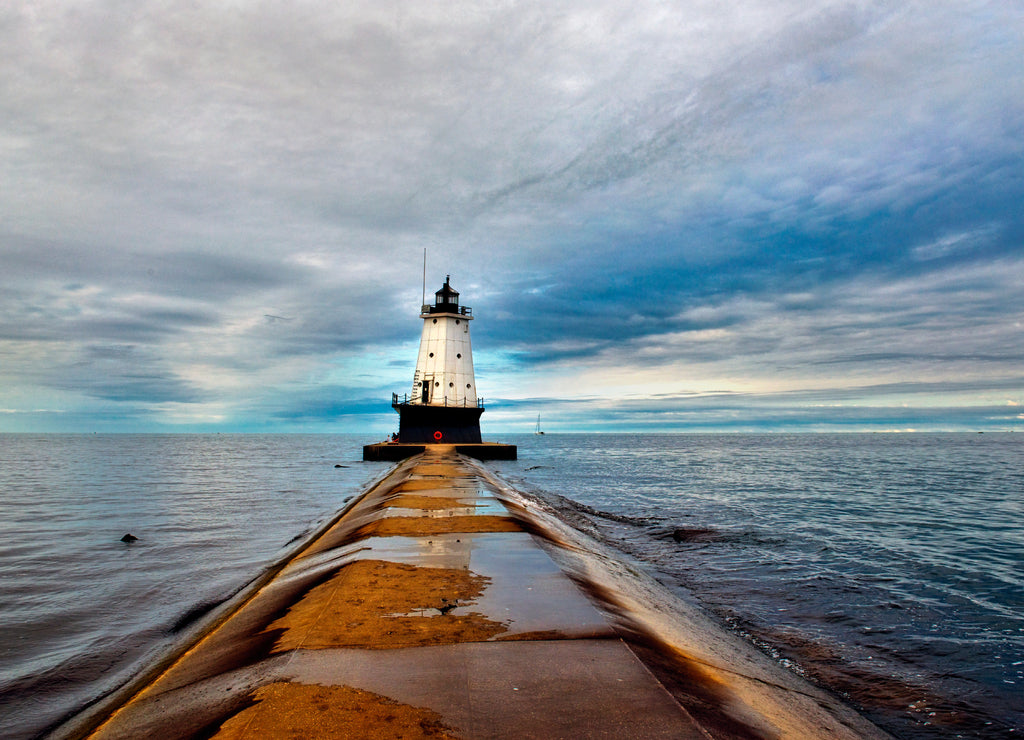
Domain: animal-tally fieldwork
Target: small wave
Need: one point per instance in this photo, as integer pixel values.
(620, 518)
(578, 515)
(193, 615)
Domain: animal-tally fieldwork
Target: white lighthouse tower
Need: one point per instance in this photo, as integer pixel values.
(444, 367)
(443, 406)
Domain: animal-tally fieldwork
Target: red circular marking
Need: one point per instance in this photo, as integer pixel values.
(438, 435)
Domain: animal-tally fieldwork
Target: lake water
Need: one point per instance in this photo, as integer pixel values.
(888, 568)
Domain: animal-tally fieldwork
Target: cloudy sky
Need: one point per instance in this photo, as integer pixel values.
(764, 214)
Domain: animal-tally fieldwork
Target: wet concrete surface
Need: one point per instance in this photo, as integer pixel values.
(435, 608)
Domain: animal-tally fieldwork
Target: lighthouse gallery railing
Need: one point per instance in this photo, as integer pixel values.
(404, 401)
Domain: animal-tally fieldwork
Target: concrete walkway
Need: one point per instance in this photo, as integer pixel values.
(427, 610)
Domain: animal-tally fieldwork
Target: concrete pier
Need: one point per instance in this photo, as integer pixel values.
(438, 606)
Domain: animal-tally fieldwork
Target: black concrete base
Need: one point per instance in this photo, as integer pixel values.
(421, 424)
(394, 451)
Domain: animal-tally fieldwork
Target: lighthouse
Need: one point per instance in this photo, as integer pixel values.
(443, 406)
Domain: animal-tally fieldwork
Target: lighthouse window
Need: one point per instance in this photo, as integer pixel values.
(459, 356)
(437, 383)
(435, 321)
(451, 385)
(431, 354)
(457, 322)
(468, 385)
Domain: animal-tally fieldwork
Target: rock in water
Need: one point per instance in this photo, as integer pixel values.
(129, 538)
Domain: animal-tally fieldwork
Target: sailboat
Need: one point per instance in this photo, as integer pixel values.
(538, 431)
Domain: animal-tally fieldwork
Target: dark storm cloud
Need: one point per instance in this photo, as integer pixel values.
(133, 387)
(838, 291)
(121, 373)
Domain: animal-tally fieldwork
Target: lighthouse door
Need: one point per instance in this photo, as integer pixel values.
(425, 391)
